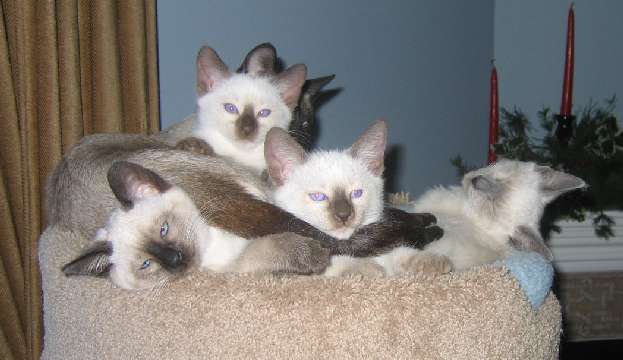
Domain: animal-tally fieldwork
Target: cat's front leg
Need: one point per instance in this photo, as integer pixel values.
(284, 253)
(195, 145)
(397, 228)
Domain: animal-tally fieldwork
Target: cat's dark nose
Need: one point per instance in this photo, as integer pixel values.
(342, 209)
(246, 125)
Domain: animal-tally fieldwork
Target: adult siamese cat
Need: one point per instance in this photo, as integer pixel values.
(159, 234)
(497, 209)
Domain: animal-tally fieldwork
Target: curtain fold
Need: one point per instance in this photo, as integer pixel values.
(68, 68)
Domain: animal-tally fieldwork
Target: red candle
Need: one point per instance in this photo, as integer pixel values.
(567, 85)
(494, 116)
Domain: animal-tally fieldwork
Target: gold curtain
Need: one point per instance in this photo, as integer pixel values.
(67, 68)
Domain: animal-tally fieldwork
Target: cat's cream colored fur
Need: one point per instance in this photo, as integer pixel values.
(218, 86)
(129, 230)
(158, 233)
(480, 217)
(331, 173)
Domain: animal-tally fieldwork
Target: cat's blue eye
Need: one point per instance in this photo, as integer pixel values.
(318, 196)
(164, 229)
(356, 193)
(145, 264)
(231, 108)
(263, 113)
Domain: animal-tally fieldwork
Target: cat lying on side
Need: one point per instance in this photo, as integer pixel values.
(497, 209)
(159, 234)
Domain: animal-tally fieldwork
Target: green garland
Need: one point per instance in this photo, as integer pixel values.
(594, 153)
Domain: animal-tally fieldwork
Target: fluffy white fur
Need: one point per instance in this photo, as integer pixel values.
(126, 231)
(217, 126)
(325, 171)
(480, 217)
(298, 175)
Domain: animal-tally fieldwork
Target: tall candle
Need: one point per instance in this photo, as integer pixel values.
(494, 116)
(567, 86)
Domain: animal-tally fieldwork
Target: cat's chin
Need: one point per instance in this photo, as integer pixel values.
(341, 233)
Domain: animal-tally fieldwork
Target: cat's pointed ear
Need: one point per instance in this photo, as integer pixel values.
(313, 86)
(211, 70)
(370, 147)
(555, 183)
(260, 60)
(94, 261)
(527, 239)
(130, 182)
(290, 83)
(282, 154)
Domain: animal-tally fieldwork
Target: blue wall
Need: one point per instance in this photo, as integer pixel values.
(422, 65)
(530, 48)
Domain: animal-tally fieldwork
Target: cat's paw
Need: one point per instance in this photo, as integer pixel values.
(302, 255)
(425, 263)
(349, 266)
(194, 145)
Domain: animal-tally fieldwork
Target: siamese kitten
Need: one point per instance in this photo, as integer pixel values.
(336, 191)
(159, 234)
(236, 110)
(261, 61)
(497, 209)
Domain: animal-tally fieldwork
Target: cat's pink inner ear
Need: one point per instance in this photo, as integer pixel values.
(282, 154)
(370, 147)
(211, 70)
(290, 83)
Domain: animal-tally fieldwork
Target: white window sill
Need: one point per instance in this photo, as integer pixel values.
(578, 249)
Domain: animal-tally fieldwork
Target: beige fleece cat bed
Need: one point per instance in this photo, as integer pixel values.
(480, 314)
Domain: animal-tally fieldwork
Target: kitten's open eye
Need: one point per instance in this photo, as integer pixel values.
(231, 108)
(164, 229)
(356, 193)
(263, 113)
(145, 264)
(318, 196)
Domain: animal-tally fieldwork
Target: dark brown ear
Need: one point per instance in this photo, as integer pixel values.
(260, 60)
(130, 182)
(211, 70)
(370, 147)
(555, 183)
(527, 239)
(313, 86)
(282, 154)
(290, 83)
(94, 261)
